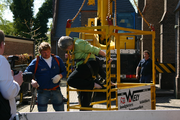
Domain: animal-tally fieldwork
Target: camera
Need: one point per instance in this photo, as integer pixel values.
(27, 76)
(11, 60)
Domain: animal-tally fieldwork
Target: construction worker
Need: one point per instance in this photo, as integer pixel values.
(81, 77)
(49, 72)
(145, 65)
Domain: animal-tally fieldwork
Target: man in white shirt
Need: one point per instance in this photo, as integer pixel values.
(9, 84)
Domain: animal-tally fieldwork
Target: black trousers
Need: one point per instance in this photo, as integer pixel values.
(101, 72)
(85, 98)
(81, 78)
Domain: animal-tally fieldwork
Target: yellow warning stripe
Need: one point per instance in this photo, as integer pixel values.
(158, 69)
(165, 68)
(171, 66)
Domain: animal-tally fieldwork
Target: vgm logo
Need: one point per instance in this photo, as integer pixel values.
(134, 98)
(122, 100)
(129, 97)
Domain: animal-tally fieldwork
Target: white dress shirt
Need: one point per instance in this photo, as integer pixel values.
(8, 87)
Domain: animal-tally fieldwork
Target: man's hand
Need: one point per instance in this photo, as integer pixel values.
(137, 72)
(112, 84)
(18, 78)
(56, 78)
(137, 76)
(110, 60)
(67, 56)
(34, 83)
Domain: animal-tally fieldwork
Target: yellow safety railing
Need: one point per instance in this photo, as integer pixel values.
(108, 32)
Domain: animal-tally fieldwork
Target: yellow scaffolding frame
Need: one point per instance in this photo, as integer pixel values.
(108, 31)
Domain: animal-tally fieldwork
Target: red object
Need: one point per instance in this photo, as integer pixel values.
(152, 27)
(109, 20)
(68, 24)
(116, 31)
(54, 88)
(130, 76)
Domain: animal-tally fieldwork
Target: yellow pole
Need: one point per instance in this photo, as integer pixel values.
(108, 70)
(68, 64)
(21, 97)
(153, 57)
(153, 91)
(104, 8)
(118, 58)
(104, 11)
(99, 8)
(67, 97)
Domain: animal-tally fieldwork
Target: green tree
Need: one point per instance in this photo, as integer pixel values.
(7, 2)
(5, 25)
(23, 19)
(22, 11)
(2, 8)
(41, 20)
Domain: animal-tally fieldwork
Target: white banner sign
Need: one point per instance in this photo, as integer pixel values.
(135, 98)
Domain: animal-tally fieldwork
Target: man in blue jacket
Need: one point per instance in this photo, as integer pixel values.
(145, 68)
(48, 74)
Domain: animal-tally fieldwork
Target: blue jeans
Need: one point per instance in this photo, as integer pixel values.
(56, 97)
(146, 79)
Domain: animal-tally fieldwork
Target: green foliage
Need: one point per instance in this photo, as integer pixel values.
(25, 25)
(5, 25)
(22, 11)
(2, 7)
(7, 2)
(41, 20)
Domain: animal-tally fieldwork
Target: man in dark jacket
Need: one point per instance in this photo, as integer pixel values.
(145, 65)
